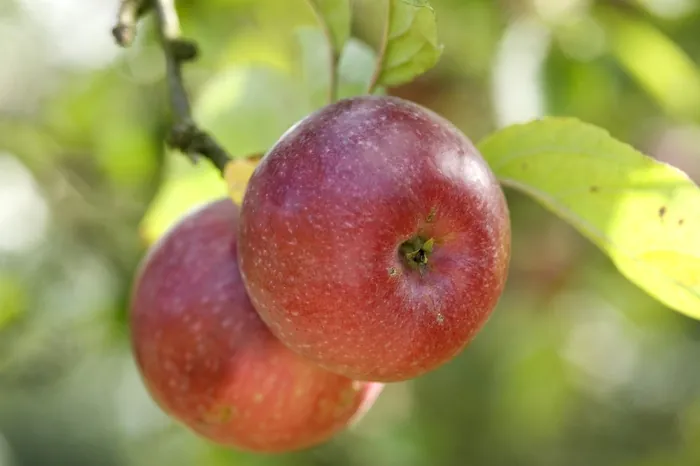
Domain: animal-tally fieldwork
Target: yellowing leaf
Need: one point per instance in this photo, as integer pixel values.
(237, 174)
(411, 45)
(644, 214)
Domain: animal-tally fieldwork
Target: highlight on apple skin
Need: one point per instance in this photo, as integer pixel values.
(210, 362)
(375, 239)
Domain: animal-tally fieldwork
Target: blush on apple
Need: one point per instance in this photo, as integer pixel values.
(375, 240)
(211, 363)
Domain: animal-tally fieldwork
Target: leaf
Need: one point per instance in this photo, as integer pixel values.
(644, 214)
(314, 63)
(658, 64)
(355, 67)
(411, 44)
(335, 16)
(237, 174)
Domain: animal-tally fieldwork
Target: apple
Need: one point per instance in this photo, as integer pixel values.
(210, 362)
(374, 239)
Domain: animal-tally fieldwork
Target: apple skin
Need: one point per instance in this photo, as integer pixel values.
(325, 221)
(210, 362)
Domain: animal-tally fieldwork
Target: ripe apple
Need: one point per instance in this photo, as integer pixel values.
(374, 239)
(211, 363)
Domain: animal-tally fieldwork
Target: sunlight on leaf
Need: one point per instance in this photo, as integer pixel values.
(659, 65)
(411, 45)
(335, 17)
(644, 214)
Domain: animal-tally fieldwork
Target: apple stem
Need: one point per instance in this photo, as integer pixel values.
(416, 252)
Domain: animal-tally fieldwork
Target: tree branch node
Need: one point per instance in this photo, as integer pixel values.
(130, 11)
(184, 136)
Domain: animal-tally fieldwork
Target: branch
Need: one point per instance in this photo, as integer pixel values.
(129, 13)
(185, 136)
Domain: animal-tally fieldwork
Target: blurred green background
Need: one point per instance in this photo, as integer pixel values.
(576, 367)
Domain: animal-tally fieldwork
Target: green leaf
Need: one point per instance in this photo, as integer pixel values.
(314, 62)
(355, 67)
(644, 214)
(335, 16)
(186, 186)
(411, 44)
(657, 63)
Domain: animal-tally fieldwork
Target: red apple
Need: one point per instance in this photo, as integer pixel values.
(211, 363)
(374, 240)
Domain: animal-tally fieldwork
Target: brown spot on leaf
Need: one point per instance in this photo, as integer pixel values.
(681, 221)
(594, 189)
(662, 211)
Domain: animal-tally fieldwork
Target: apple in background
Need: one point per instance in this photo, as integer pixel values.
(210, 362)
(374, 240)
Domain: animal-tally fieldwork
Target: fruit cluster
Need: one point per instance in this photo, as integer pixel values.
(371, 246)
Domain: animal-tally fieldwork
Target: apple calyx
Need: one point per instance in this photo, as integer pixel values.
(416, 252)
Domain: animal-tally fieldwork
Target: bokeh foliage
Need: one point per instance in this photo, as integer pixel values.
(577, 366)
